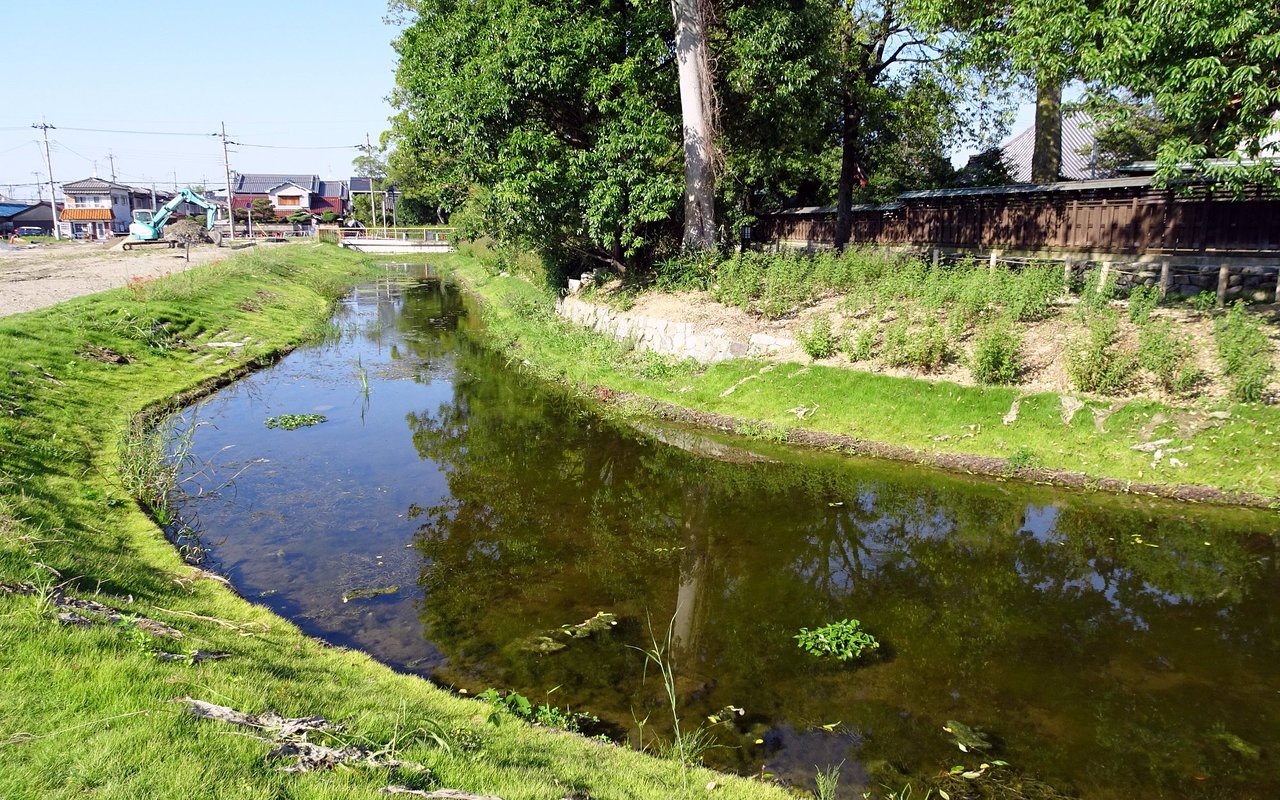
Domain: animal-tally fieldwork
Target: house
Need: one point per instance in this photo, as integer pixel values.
(1078, 147)
(291, 193)
(25, 215)
(97, 208)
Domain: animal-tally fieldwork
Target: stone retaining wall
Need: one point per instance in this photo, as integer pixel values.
(1251, 283)
(678, 339)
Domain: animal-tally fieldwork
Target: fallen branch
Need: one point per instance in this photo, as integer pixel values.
(290, 738)
(75, 609)
(239, 627)
(194, 657)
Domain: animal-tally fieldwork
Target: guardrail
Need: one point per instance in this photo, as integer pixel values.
(335, 233)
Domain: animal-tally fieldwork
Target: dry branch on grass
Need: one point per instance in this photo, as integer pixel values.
(289, 735)
(78, 611)
(438, 794)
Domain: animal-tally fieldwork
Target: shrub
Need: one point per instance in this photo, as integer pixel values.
(1142, 301)
(862, 347)
(1029, 293)
(1245, 352)
(896, 349)
(929, 349)
(690, 270)
(1099, 364)
(1097, 293)
(997, 354)
(1164, 354)
(817, 340)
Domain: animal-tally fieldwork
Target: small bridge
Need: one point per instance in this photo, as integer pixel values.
(392, 239)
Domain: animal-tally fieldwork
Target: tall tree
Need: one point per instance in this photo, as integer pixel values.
(698, 113)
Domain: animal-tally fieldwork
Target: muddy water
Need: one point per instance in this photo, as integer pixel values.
(1104, 647)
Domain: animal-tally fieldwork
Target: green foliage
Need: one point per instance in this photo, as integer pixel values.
(1142, 301)
(861, 346)
(291, 422)
(817, 340)
(544, 714)
(1097, 293)
(328, 216)
(263, 210)
(997, 355)
(1099, 364)
(1022, 458)
(929, 348)
(1246, 353)
(1205, 302)
(843, 640)
(1165, 354)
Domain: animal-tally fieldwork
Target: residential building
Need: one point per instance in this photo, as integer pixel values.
(25, 215)
(96, 208)
(291, 193)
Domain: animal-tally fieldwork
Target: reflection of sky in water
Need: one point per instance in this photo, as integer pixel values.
(999, 605)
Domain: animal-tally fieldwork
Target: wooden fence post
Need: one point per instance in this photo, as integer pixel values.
(993, 261)
(937, 256)
(1164, 278)
(1067, 269)
(1224, 277)
(1102, 279)
(1276, 299)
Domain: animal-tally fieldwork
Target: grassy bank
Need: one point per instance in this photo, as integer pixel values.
(87, 706)
(1224, 451)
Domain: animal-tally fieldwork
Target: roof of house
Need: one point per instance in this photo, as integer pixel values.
(1031, 188)
(100, 214)
(332, 189)
(294, 184)
(263, 183)
(9, 209)
(1077, 141)
(95, 185)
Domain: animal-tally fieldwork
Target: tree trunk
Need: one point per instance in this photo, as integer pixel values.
(848, 174)
(696, 108)
(1046, 161)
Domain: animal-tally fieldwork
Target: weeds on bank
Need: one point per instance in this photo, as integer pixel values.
(1099, 363)
(1245, 353)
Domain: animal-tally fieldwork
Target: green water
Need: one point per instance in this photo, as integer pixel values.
(1107, 647)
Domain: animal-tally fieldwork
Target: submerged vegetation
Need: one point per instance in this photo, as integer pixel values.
(843, 640)
(141, 627)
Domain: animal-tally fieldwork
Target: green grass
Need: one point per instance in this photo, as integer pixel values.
(1238, 454)
(89, 711)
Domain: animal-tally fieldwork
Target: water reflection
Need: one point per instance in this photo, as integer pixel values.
(1110, 647)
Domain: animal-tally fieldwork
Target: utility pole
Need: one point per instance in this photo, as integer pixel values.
(48, 163)
(39, 187)
(231, 196)
(112, 158)
(373, 208)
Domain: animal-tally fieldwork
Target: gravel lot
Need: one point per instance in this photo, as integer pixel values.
(47, 274)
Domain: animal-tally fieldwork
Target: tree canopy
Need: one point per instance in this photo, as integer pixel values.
(558, 126)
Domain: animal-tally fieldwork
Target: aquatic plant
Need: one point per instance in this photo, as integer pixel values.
(842, 640)
(291, 422)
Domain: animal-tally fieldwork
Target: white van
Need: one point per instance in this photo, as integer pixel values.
(28, 230)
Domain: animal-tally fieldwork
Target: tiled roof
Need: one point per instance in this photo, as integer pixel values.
(1030, 188)
(1077, 136)
(332, 189)
(95, 185)
(100, 214)
(263, 183)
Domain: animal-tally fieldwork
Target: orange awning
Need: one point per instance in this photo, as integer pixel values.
(83, 214)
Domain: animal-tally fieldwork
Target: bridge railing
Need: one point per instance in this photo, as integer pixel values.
(418, 233)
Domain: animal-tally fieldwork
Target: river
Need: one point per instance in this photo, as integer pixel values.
(456, 518)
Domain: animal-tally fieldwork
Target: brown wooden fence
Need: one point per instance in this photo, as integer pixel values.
(1124, 216)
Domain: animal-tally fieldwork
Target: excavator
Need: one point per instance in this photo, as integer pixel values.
(148, 226)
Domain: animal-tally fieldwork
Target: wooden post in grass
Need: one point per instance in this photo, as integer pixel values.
(937, 256)
(1164, 279)
(1276, 299)
(1102, 279)
(993, 261)
(1224, 277)
(1067, 269)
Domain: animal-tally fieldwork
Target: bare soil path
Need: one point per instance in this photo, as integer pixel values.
(45, 275)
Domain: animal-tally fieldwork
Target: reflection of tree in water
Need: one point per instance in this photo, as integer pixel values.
(1048, 625)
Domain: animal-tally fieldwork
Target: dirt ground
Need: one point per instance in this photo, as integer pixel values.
(1044, 350)
(43, 275)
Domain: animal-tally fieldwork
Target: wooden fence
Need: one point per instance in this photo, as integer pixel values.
(1121, 217)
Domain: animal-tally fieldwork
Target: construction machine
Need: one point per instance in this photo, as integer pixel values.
(148, 226)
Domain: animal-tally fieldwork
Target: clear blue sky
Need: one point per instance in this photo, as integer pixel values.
(289, 75)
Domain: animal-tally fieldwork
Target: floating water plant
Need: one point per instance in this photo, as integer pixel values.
(842, 640)
(291, 422)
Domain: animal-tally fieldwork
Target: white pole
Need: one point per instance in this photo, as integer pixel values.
(48, 162)
(231, 196)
